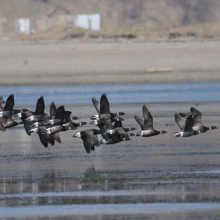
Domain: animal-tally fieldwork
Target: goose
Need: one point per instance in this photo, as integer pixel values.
(46, 138)
(64, 127)
(90, 139)
(117, 134)
(186, 127)
(39, 112)
(197, 124)
(8, 122)
(62, 120)
(103, 108)
(147, 124)
(8, 106)
(104, 125)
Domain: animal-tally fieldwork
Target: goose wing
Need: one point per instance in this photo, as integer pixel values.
(2, 102)
(9, 103)
(122, 133)
(40, 107)
(117, 124)
(185, 115)
(189, 124)
(139, 121)
(53, 110)
(43, 139)
(60, 113)
(107, 124)
(196, 116)
(89, 140)
(148, 122)
(67, 116)
(145, 111)
(96, 104)
(56, 137)
(104, 105)
(180, 122)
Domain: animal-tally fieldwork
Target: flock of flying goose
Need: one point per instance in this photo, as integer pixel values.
(49, 126)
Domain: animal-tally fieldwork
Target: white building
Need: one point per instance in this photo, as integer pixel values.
(23, 25)
(90, 21)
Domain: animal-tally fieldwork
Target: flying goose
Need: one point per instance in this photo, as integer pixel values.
(103, 108)
(147, 124)
(8, 122)
(197, 124)
(117, 134)
(46, 138)
(186, 127)
(90, 139)
(39, 114)
(8, 106)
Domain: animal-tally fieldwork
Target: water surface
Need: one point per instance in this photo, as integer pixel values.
(160, 92)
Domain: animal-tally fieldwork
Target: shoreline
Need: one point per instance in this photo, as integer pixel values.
(72, 63)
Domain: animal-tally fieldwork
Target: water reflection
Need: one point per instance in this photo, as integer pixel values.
(49, 190)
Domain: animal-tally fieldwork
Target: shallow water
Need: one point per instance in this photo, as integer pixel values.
(160, 177)
(161, 92)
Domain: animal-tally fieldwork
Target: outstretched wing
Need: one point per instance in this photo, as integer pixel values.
(139, 121)
(53, 110)
(43, 139)
(9, 103)
(148, 122)
(196, 116)
(180, 122)
(60, 113)
(145, 111)
(189, 124)
(104, 105)
(56, 137)
(40, 107)
(96, 104)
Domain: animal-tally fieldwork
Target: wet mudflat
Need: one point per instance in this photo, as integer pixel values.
(160, 177)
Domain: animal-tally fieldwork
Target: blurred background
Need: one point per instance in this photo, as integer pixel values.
(140, 19)
(143, 46)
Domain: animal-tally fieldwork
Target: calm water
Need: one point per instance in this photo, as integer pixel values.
(44, 183)
(163, 92)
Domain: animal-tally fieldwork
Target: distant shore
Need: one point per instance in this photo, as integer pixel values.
(69, 62)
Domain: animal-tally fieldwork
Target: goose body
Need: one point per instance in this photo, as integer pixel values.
(103, 108)
(147, 124)
(89, 138)
(186, 127)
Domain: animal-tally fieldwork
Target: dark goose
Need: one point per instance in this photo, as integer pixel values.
(197, 124)
(147, 124)
(185, 126)
(90, 139)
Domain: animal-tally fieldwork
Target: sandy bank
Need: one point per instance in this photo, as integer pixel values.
(27, 63)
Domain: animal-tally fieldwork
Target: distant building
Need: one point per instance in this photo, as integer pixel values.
(88, 21)
(23, 25)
